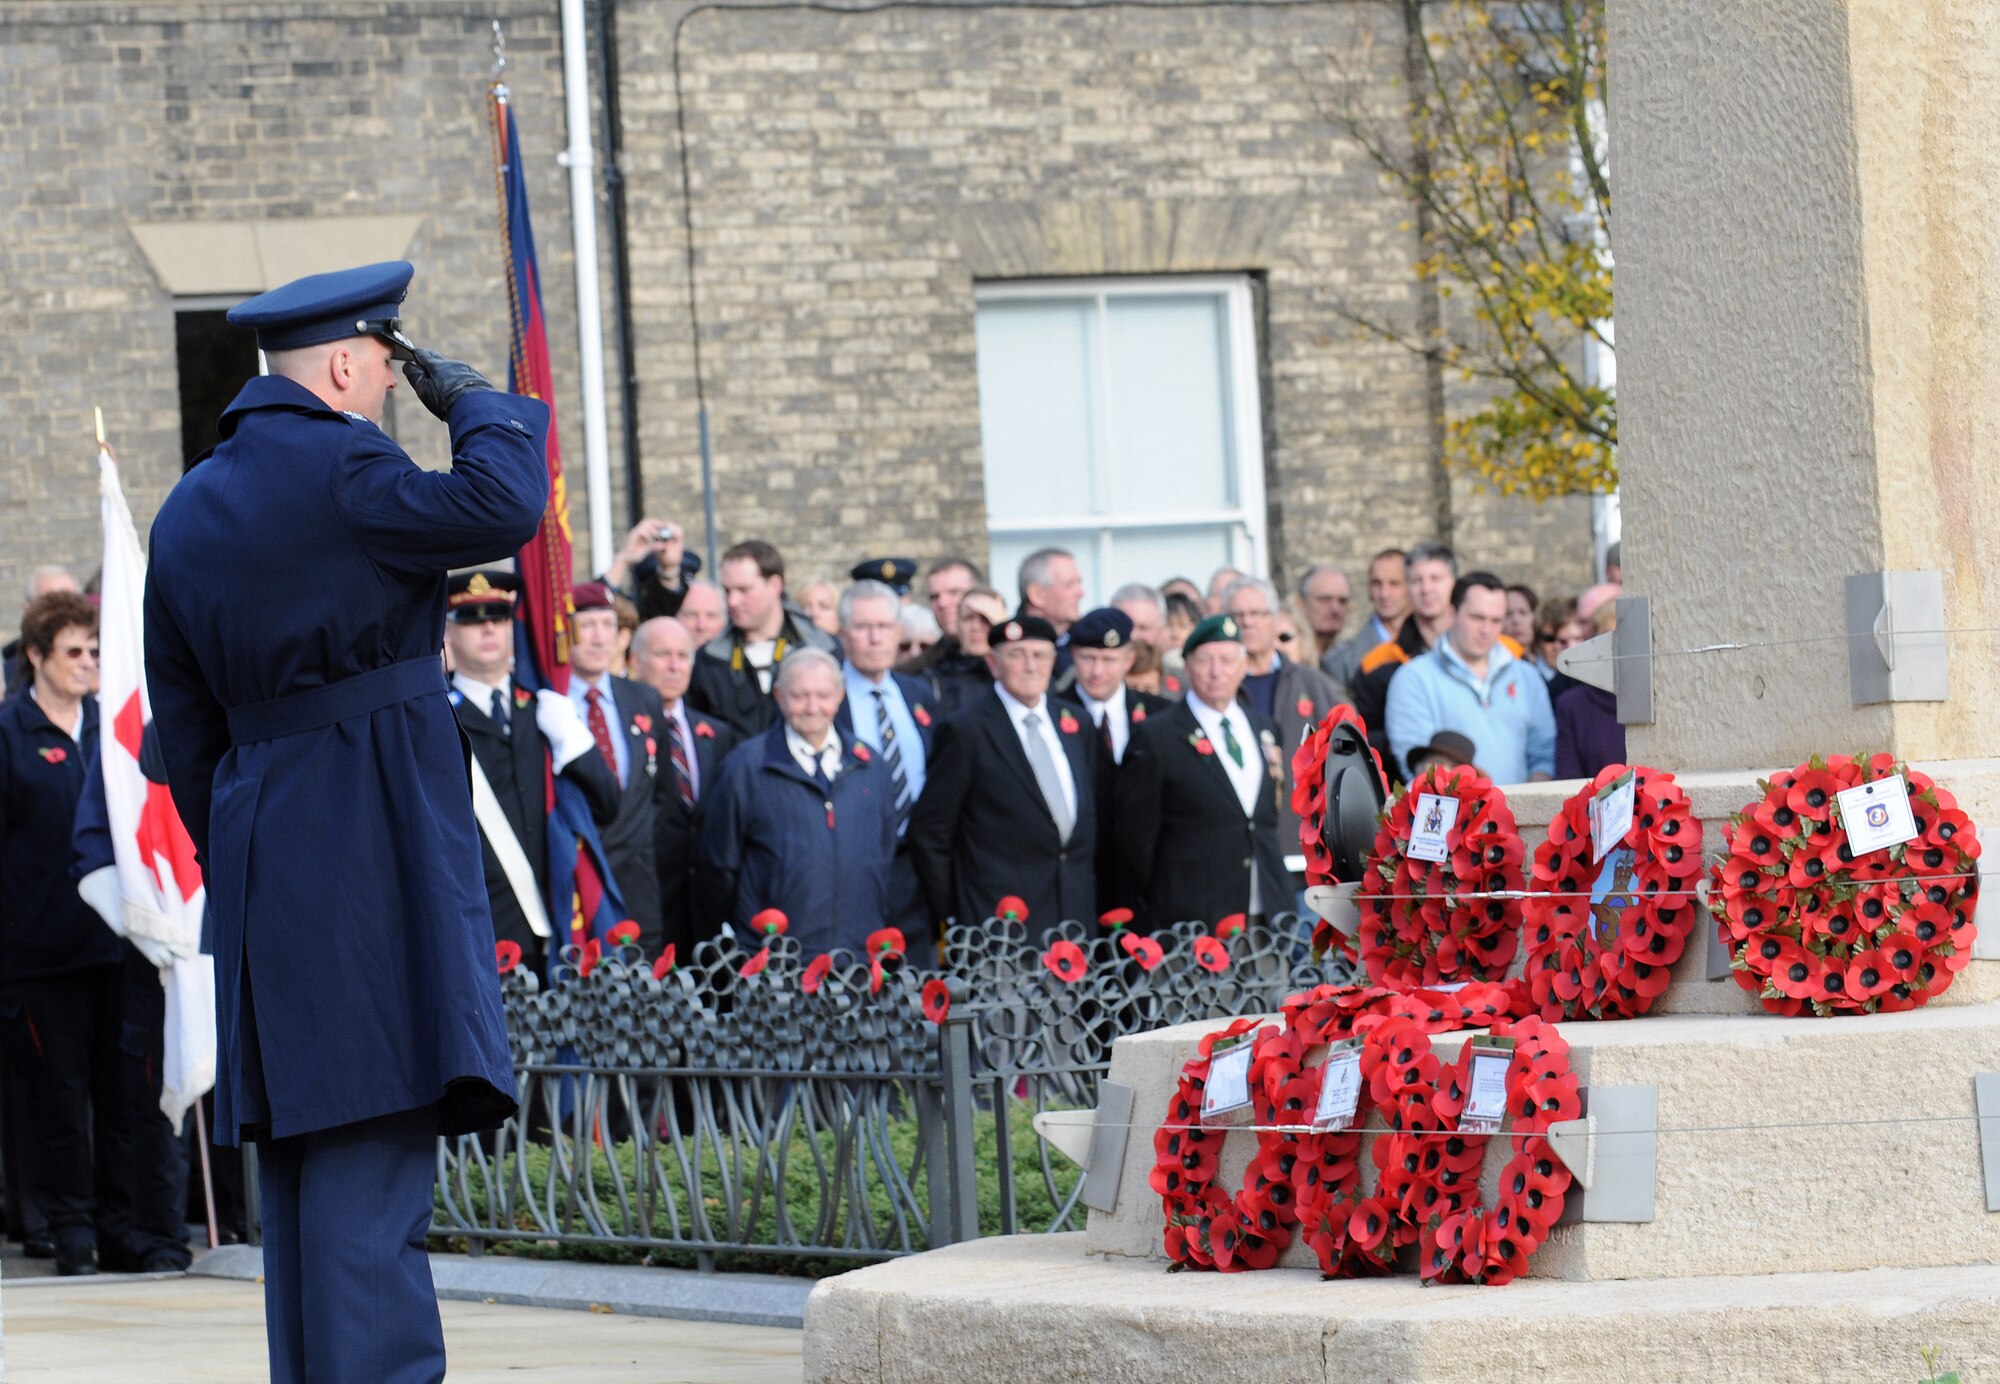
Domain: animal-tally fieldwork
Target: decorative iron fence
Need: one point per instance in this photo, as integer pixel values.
(727, 1115)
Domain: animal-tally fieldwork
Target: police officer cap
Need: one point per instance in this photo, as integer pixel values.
(474, 596)
(328, 307)
(1108, 628)
(1215, 629)
(895, 573)
(1021, 628)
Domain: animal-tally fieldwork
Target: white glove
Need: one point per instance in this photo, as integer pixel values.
(102, 891)
(161, 954)
(562, 726)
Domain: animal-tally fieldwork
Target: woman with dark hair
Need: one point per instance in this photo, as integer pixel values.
(62, 992)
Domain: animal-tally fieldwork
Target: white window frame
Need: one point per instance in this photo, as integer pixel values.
(1248, 517)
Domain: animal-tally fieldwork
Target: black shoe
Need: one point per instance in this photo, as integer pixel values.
(166, 1261)
(119, 1259)
(40, 1245)
(75, 1261)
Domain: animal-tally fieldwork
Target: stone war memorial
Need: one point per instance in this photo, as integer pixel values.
(1692, 1071)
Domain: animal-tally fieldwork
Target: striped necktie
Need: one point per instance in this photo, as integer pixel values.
(677, 753)
(892, 755)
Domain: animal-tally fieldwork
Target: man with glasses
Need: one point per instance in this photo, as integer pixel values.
(1324, 593)
(1293, 695)
(517, 738)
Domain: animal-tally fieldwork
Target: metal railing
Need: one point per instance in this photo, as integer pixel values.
(722, 1120)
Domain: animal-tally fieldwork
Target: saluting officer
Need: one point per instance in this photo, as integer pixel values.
(1198, 794)
(518, 738)
(294, 624)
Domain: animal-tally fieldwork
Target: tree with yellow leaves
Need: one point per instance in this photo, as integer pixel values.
(1504, 160)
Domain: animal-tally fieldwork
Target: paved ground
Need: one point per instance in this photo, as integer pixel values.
(211, 1331)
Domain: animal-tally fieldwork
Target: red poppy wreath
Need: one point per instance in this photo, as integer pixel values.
(1309, 790)
(1602, 934)
(1813, 928)
(1417, 926)
(1426, 1192)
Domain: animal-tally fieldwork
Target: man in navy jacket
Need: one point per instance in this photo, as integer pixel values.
(294, 629)
(803, 818)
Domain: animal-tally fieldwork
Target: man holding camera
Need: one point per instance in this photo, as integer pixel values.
(294, 619)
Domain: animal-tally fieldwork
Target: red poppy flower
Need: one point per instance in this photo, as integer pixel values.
(1902, 953)
(861, 752)
(1115, 918)
(507, 955)
(1201, 745)
(642, 723)
(1067, 723)
(1811, 795)
(1065, 962)
(704, 730)
(886, 939)
(921, 715)
(622, 932)
(1868, 975)
(771, 921)
(937, 1000)
(1011, 909)
(1229, 927)
(1143, 950)
(756, 964)
(664, 964)
(587, 959)
(522, 696)
(54, 754)
(1138, 714)
(1305, 707)
(1755, 843)
(877, 972)
(815, 973)
(1211, 955)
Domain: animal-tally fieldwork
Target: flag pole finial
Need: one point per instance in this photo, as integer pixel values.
(499, 50)
(99, 412)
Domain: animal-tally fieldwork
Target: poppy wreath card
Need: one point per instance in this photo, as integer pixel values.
(1813, 928)
(1601, 935)
(1428, 922)
(1306, 1180)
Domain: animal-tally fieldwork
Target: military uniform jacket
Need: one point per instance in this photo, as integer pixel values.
(1185, 832)
(294, 633)
(981, 831)
(516, 765)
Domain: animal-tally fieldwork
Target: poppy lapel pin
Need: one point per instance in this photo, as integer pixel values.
(1068, 723)
(642, 724)
(1138, 714)
(1306, 707)
(54, 754)
(861, 752)
(1513, 689)
(704, 730)
(922, 715)
(1201, 743)
(522, 696)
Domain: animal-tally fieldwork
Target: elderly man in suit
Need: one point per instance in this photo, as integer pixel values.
(1103, 645)
(624, 718)
(1198, 794)
(1011, 804)
(517, 739)
(803, 818)
(694, 747)
(894, 715)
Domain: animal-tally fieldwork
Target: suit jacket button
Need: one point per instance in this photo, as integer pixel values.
(1062, 855)
(1246, 862)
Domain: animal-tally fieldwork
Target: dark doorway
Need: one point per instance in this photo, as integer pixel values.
(215, 361)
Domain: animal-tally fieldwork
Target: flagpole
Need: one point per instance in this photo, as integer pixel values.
(207, 1177)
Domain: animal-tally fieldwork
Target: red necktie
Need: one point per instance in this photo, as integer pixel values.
(600, 729)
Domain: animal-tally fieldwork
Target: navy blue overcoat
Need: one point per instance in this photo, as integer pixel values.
(776, 837)
(294, 623)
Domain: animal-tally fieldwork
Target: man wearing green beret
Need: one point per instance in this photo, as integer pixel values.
(1198, 794)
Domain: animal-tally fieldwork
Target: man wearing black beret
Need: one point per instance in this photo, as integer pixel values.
(1010, 803)
(1102, 651)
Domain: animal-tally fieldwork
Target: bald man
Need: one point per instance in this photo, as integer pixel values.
(695, 745)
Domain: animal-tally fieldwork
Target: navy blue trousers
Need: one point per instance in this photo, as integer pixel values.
(348, 1297)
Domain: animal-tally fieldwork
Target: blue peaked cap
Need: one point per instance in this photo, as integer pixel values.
(327, 307)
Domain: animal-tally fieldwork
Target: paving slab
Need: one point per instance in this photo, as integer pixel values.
(205, 1330)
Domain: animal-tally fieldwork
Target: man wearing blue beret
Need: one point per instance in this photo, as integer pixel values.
(294, 621)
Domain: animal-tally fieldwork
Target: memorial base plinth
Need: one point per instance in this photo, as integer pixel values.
(1031, 1309)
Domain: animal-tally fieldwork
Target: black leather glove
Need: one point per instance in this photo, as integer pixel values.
(441, 382)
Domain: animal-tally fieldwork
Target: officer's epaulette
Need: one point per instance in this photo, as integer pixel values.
(1384, 654)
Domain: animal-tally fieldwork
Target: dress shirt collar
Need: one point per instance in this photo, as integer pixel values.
(827, 757)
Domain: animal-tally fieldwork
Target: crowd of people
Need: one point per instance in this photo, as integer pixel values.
(905, 750)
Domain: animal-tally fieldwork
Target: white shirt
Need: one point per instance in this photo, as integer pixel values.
(762, 656)
(480, 694)
(1121, 721)
(828, 757)
(1017, 712)
(1249, 778)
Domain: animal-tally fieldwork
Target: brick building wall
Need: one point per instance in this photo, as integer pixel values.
(853, 177)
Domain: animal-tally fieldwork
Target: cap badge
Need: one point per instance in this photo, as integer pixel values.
(478, 586)
(888, 569)
(1111, 639)
(1013, 629)
(1228, 629)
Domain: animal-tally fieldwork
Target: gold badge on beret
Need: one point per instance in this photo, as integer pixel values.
(888, 570)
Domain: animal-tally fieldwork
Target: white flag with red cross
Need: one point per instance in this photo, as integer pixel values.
(158, 878)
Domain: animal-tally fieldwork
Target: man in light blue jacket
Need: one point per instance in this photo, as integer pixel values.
(1471, 683)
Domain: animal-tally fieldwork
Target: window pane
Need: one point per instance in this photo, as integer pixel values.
(1036, 420)
(1153, 555)
(1167, 379)
(1005, 551)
